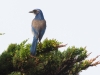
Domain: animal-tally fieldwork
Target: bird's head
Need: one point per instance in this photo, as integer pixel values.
(38, 13)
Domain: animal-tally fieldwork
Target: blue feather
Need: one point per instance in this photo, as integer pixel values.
(41, 34)
(39, 16)
(34, 45)
(38, 28)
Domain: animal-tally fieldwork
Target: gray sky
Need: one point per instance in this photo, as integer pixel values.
(75, 22)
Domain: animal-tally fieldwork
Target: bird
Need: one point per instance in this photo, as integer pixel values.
(38, 28)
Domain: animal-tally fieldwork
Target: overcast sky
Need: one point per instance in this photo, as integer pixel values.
(75, 22)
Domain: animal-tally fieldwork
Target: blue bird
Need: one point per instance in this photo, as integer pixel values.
(38, 29)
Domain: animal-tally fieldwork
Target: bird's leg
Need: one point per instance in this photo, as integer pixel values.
(40, 44)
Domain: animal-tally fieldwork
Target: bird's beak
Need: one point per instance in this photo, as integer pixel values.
(31, 12)
(34, 11)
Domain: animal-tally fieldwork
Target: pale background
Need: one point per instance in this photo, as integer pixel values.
(75, 22)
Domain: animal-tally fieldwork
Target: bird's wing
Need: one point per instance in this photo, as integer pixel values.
(35, 29)
(42, 29)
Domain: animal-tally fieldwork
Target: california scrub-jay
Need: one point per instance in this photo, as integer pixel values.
(38, 29)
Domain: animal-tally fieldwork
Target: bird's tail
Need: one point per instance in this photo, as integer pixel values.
(34, 45)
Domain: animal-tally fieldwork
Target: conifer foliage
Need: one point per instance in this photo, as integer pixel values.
(16, 60)
(2, 33)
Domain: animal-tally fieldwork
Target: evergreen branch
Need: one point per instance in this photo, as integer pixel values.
(2, 33)
(59, 46)
(89, 54)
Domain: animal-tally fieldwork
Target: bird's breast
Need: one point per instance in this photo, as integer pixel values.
(39, 24)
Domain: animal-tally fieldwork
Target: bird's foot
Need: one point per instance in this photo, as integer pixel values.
(40, 44)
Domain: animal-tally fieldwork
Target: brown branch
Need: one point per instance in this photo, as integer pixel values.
(96, 63)
(91, 60)
(89, 54)
(59, 46)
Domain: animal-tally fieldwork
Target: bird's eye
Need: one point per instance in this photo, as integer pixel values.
(35, 11)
